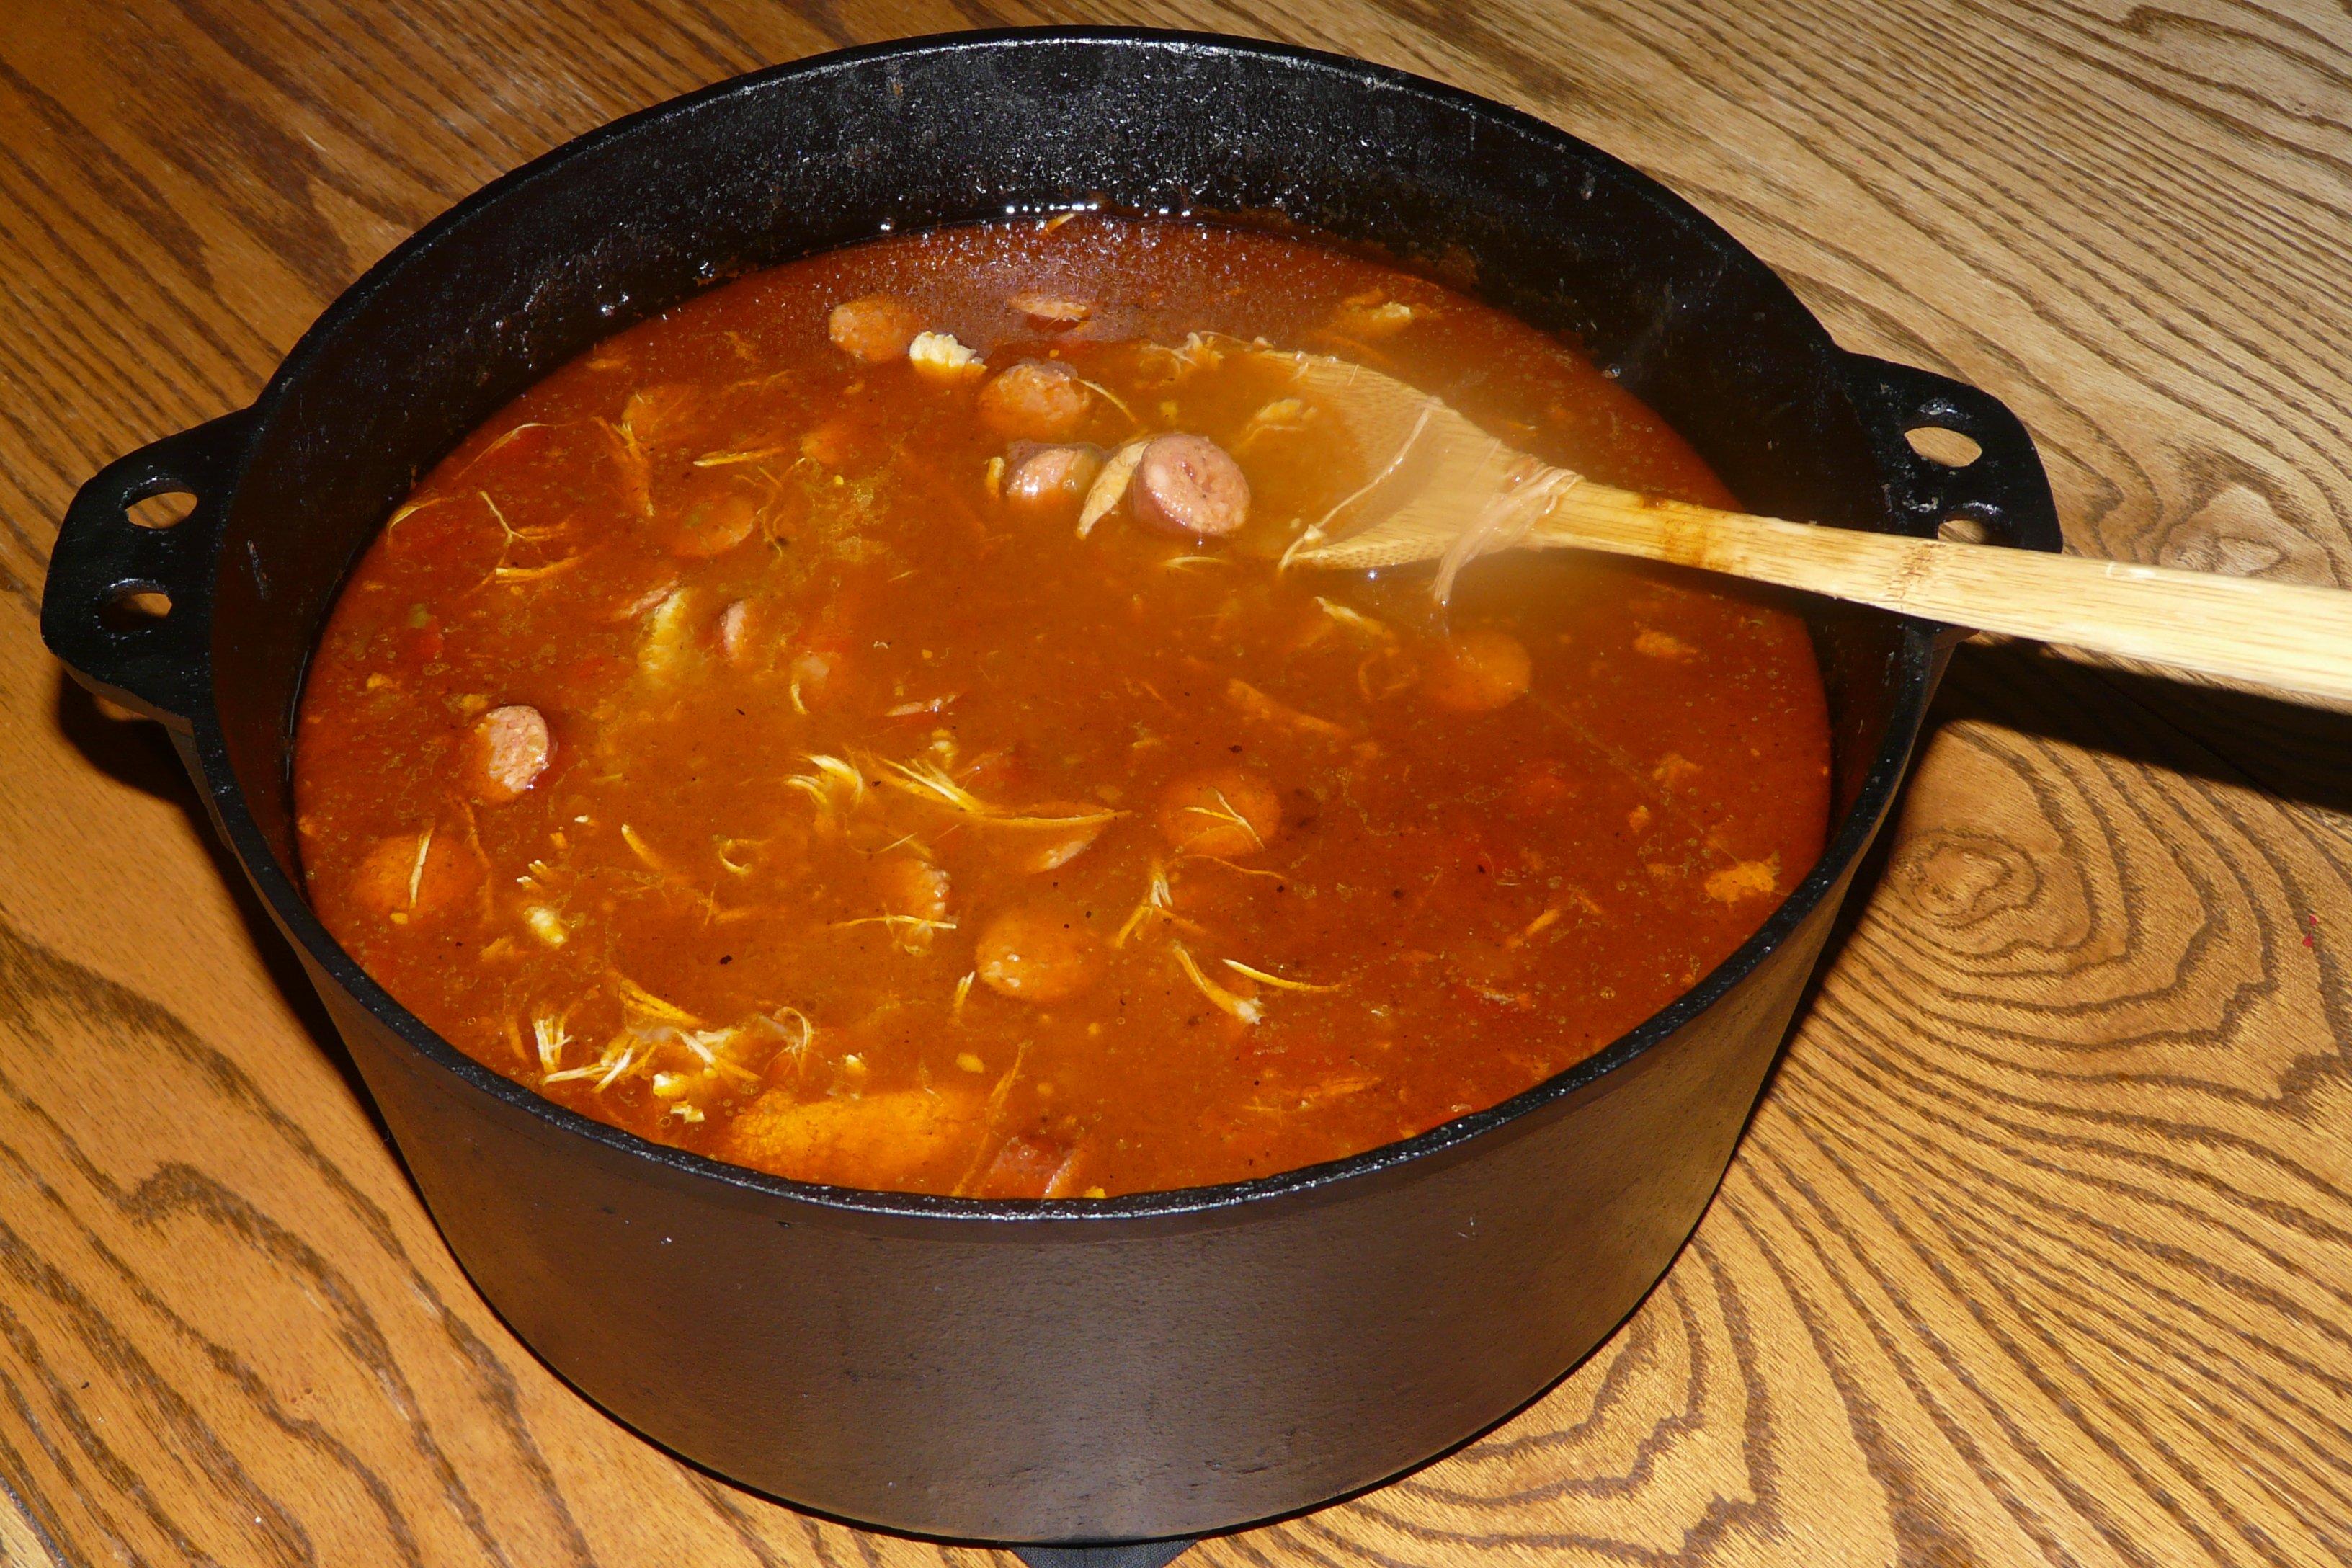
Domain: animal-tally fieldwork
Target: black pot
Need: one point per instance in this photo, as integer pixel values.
(1149, 1366)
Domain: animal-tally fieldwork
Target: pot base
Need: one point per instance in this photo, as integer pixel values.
(1112, 1555)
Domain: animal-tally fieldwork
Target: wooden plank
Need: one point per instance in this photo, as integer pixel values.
(2038, 1249)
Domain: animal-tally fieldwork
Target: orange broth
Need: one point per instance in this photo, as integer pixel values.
(714, 743)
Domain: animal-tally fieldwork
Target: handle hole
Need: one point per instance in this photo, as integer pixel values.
(132, 606)
(165, 509)
(1964, 531)
(1942, 444)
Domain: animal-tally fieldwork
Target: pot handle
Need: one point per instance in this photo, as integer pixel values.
(2003, 489)
(126, 607)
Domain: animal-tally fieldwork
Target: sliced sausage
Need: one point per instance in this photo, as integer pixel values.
(711, 522)
(1050, 481)
(1041, 400)
(1477, 672)
(505, 751)
(839, 443)
(1036, 954)
(916, 889)
(1189, 485)
(1229, 813)
(876, 329)
(414, 876)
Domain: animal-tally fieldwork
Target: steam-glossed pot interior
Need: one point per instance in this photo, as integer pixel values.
(1151, 1366)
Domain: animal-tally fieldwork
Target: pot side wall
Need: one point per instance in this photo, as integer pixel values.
(1086, 1379)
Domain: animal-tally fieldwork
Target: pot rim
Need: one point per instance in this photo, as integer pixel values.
(1850, 835)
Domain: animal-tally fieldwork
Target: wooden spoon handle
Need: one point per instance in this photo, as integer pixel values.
(2295, 640)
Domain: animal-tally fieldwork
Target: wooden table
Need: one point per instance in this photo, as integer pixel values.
(2039, 1248)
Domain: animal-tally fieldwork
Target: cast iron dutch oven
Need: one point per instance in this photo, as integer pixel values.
(1063, 1371)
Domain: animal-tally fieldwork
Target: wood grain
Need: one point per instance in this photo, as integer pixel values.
(2039, 1250)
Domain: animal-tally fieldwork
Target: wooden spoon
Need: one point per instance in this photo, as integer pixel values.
(1454, 492)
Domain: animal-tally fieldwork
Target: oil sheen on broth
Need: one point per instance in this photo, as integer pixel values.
(737, 740)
